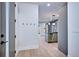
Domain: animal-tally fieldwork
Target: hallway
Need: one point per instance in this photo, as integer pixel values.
(45, 50)
(27, 27)
(27, 31)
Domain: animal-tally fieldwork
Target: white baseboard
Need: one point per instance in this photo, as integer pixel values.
(68, 56)
(16, 53)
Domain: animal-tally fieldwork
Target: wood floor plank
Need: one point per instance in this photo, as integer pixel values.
(45, 50)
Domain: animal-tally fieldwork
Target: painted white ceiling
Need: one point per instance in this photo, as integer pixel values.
(45, 13)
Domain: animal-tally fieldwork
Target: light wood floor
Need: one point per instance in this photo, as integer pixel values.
(45, 50)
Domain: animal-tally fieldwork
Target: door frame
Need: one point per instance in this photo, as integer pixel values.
(7, 28)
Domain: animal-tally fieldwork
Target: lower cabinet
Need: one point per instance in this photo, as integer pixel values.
(52, 37)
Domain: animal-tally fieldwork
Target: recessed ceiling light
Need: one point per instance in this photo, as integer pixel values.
(48, 4)
(53, 24)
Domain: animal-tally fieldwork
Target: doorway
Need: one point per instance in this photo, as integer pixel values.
(37, 47)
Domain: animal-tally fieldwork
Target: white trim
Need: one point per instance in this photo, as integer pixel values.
(16, 53)
(68, 56)
(7, 28)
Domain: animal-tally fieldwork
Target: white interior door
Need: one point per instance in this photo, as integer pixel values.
(73, 29)
(1, 45)
(7, 29)
(27, 26)
(2, 30)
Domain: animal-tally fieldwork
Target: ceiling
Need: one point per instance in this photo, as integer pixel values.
(46, 12)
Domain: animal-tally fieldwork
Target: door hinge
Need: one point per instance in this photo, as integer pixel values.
(14, 5)
(15, 20)
(15, 36)
(15, 51)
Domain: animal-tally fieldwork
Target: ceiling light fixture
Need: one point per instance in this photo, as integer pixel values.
(53, 24)
(48, 4)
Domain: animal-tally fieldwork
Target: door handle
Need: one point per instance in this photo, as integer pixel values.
(3, 42)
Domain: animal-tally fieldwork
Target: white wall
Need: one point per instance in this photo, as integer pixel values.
(73, 29)
(27, 26)
(62, 30)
